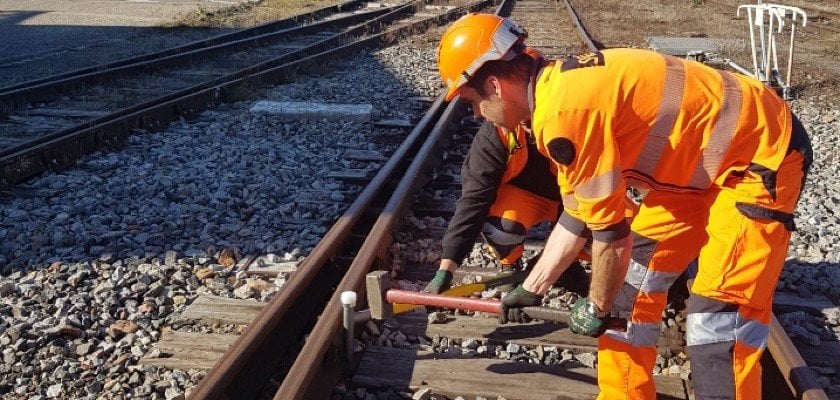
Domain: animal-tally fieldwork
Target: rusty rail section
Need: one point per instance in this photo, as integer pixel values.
(298, 382)
(252, 359)
(582, 32)
(801, 380)
(311, 363)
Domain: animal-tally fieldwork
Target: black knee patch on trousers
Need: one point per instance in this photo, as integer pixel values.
(712, 368)
(509, 227)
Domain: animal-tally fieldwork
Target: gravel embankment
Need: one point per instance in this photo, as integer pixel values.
(98, 260)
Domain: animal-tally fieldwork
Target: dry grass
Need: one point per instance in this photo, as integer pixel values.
(619, 23)
(247, 14)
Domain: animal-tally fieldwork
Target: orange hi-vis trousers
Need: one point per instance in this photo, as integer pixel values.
(514, 212)
(517, 210)
(739, 232)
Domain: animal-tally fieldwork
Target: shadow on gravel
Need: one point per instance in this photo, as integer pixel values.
(16, 17)
(231, 179)
(31, 51)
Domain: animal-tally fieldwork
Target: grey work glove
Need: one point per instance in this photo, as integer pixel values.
(513, 302)
(440, 283)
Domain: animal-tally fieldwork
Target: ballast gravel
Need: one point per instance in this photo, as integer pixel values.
(97, 260)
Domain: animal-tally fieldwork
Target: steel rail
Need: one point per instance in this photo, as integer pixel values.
(198, 44)
(60, 150)
(229, 80)
(47, 90)
(255, 352)
(300, 377)
(799, 377)
(582, 32)
(298, 382)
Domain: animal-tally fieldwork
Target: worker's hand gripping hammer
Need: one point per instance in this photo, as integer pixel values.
(381, 297)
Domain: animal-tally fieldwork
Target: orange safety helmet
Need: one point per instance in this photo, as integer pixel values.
(473, 40)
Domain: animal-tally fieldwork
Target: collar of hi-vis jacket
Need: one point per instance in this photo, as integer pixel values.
(538, 63)
(515, 142)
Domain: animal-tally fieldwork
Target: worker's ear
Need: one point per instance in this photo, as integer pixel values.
(493, 85)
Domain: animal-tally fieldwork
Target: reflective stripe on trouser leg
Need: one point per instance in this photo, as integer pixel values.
(748, 239)
(667, 234)
(725, 343)
(514, 212)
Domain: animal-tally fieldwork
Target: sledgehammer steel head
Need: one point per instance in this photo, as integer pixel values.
(377, 285)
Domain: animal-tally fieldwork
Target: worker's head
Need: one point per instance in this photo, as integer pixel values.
(479, 57)
(472, 41)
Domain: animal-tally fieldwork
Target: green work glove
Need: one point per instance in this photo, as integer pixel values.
(513, 302)
(440, 283)
(584, 319)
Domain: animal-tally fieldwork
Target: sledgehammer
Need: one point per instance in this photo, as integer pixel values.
(381, 298)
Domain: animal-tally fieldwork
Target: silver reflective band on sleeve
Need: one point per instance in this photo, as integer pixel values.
(722, 133)
(706, 328)
(600, 186)
(637, 334)
(648, 281)
(666, 116)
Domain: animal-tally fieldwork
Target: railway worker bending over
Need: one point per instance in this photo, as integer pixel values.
(507, 187)
(724, 161)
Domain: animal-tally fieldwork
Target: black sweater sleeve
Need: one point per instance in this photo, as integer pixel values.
(481, 175)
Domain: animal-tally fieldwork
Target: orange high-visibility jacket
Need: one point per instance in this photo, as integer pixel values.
(516, 144)
(635, 117)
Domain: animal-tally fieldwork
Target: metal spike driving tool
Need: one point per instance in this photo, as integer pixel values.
(381, 299)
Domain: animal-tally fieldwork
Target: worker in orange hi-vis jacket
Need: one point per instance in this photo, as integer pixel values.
(723, 161)
(507, 187)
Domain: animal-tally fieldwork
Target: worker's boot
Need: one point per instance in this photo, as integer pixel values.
(513, 274)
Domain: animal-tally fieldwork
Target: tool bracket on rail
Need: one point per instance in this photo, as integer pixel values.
(766, 21)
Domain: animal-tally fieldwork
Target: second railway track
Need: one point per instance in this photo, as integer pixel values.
(47, 124)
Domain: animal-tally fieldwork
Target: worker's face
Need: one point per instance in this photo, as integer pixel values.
(491, 106)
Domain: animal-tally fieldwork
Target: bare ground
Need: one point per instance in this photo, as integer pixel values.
(621, 23)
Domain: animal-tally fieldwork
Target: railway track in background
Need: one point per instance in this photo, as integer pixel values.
(310, 305)
(47, 124)
(34, 90)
